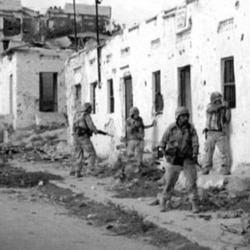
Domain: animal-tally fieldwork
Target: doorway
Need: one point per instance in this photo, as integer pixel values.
(185, 95)
(128, 95)
(48, 92)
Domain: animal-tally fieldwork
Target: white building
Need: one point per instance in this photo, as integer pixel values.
(32, 83)
(179, 56)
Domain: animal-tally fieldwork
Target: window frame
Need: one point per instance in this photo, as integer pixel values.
(228, 83)
(156, 79)
(93, 86)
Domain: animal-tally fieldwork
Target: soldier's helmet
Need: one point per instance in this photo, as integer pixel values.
(181, 111)
(215, 96)
(86, 106)
(133, 111)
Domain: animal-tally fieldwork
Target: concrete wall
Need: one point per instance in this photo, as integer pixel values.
(25, 67)
(154, 45)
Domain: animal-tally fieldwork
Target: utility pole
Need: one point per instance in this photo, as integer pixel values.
(75, 26)
(98, 41)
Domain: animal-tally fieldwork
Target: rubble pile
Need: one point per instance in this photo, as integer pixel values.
(36, 145)
(11, 177)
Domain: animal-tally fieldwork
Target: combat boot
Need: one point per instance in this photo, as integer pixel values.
(164, 204)
(205, 171)
(225, 171)
(195, 207)
(78, 174)
(72, 173)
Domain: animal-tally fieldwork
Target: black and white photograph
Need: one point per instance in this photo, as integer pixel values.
(124, 125)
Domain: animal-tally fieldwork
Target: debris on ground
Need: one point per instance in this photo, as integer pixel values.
(230, 214)
(36, 145)
(115, 219)
(241, 230)
(16, 177)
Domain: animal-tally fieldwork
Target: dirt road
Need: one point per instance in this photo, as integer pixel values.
(30, 223)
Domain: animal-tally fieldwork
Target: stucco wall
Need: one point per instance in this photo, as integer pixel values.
(202, 48)
(7, 68)
(25, 66)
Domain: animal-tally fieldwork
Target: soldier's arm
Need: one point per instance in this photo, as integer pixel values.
(150, 126)
(227, 116)
(90, 124)
(146, 126)
(129, 126)
(213, 108)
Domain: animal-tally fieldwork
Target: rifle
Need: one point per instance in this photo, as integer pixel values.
(104, 133)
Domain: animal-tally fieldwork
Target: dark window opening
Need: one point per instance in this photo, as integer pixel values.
(78, 95)
(48, 92)
(158, 98)
(78, 91)
(93, 96)
(11, 26)
(184, 88)
(229, 89)
(111, 98)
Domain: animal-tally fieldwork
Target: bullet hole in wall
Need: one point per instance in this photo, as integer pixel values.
(242, 37)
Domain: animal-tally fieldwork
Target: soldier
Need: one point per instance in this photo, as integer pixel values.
(83, 128)
(180, 145)
(135, 135)
(218, 117)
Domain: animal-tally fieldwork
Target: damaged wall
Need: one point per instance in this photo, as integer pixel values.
(196, 37)
(23, 69)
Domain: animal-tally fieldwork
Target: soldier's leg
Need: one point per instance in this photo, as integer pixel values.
(79, 156)
(223, 146)
(139, 149)
(73, 166)
(190, 173)
(90, 153)
(209, 152)
(131, 149)
(170, 178)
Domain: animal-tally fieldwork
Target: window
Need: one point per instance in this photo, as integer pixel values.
(78, 91)
(158, 99)
(48, 92)
(93, 96)
(228, 79)
(78, 95)
(111, 99)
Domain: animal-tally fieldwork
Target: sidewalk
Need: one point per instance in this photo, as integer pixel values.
(194, 227)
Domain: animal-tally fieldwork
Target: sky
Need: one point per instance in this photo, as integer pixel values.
(123, 11)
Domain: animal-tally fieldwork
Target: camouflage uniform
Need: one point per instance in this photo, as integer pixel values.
(83, 129)
(135, 136)
(218, 118)
(180, 145)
